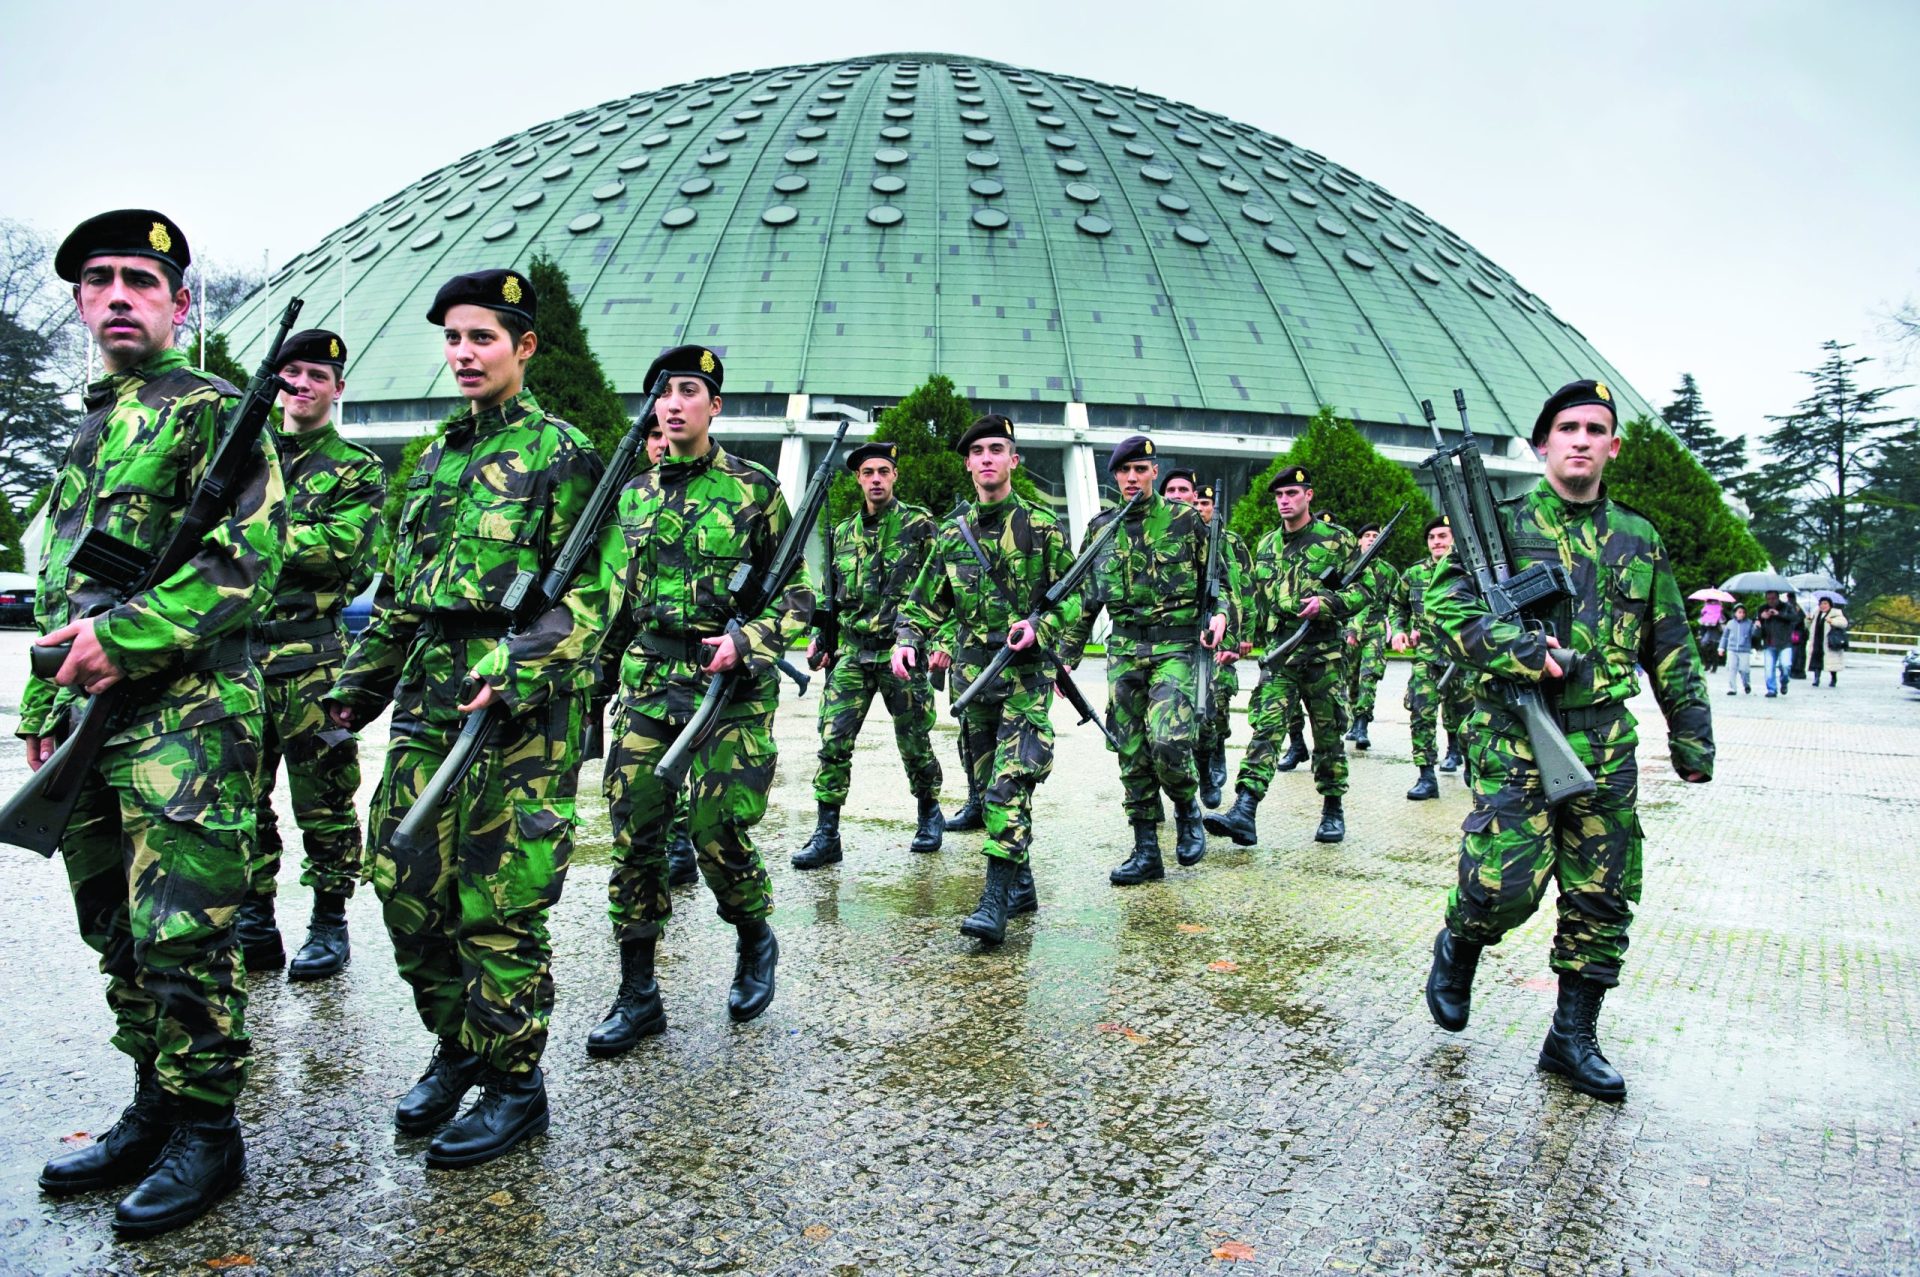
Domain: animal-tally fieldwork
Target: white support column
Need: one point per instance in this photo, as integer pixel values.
(1081, 472)
(792, 471)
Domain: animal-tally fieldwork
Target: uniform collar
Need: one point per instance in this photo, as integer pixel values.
(681, 469)
(870, 520)
(300, 440)
(111, 385)
(478, 423)
(1561, 510)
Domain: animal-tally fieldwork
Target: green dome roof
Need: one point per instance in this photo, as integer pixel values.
(844, 229)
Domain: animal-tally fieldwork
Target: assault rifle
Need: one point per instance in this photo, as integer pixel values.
(1286, 647)
(750, 596)
(1480, 544)
(527, 598)
(826, 611)
(37, 816)
(1209, 604)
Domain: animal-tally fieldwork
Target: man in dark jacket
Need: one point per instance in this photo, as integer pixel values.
(1778, 618)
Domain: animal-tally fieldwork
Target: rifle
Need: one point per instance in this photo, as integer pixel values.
(1069, 582)
(1209, 604)
(1273, 660)
(528, 597)
(750, 596)
(826, 612)
(36, 818)
(1481, 546)
(1062, 677)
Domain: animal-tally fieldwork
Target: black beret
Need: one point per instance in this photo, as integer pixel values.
(1438, 521)
(313, 346)
(1325, 516)
(495, 289)
(688, 361)
(1171, 475)
(125, 232)
(1291, 477)
(1132, 448)
(875, 451)
(1204, 492)
(1572, 395)
(991, 426)
(1366, 528)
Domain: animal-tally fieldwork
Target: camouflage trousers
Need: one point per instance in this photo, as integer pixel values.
(1366, 666)
(1150, 717)
(851, 687)
(1427, 702)
(158, 859)
(1313, 680)
(468, 911)
(1007, 733)
(726, 796)
(323, 775)
(1514, 843)
(1218, 729)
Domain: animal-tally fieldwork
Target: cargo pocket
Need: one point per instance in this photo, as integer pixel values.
(532, 874)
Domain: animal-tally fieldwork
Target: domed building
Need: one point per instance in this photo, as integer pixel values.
(1091, 260)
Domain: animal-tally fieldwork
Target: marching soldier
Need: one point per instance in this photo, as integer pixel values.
(958, 600)
(334, 537)
(1367, 640)
(1152, 583)
(492, 499)
(158, 849)
(681, 531)
(1215, 731)
(1426, 699)
(1295, 570)
(875, 557)
(1626, 612)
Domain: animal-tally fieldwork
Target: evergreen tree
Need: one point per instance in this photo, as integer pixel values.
(12, 558)
(1890, 562)
(1351, 481)
(1690, 421)
(34, 419)
(925, 424)
(219, 360)
(1657, 475)
(564, 373)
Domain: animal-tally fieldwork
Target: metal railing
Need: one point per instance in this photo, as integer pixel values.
(1882, 642)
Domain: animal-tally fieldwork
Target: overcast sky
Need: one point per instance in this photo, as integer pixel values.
(1704, 187)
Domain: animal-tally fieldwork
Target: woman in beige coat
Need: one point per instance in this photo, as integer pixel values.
(1826, 643)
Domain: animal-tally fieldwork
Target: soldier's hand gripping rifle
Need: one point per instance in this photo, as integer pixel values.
(527, 598)
(37, 816)
(1480, 542)
(1338, 581)
(750, 595)
(826, 611)
(1209, 604)
(1069, 582)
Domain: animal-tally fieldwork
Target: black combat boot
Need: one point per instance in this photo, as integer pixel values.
(683, 863)
(1210, 786)
(636, 1011)
(973, 813)
(203, 1160)
(1217, 771)
(325, 953)
(258, 935)
(1237, 821)
(824, 847)
(1425, 787)
(932, 827)
(1023, 898)
(1189, 836)
(1333, 820)
(1450, 981)
(125, 1152)
(1296, 752)
(1572, 1048)
(1144, 865)
(436, 1097)
(988, 922)
(511, 1107)
(752, 990)
(1451, 763)
(1352, 730)
(1359, 734)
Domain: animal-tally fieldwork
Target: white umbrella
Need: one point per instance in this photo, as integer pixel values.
(1816, 581)
(1755, 582)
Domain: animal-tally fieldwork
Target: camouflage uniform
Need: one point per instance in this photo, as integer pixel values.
(1009, 723)
(160, 847)
(680, 532)
(1366, 662)
(1425, 700)
(876, 559)
(1218, 729)
(335, 538)
(1626, 611)
(493, 497)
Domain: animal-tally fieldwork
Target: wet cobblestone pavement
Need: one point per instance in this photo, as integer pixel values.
(1239, 1054)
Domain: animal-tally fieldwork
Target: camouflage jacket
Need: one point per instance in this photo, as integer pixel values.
(876, 559)
(1410, 611)
(1288, 570)
(335, 537)
(680, 532)
(130, 471)
(951, 607)
(1149, 580)
(1626, 612)
(493, 497)
(1376, 619)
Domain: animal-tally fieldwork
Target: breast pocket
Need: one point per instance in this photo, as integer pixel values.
(1631, 595)
(138, 500)
(496, 539)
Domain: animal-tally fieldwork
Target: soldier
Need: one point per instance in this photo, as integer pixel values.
(955, 600)
(1152, 583)
(492, 499)
(334, 493)
(1626, 611)
(1426, 698)
(1367, 640)
(1292, 583)
(158, 848)
(876, 556)
(681, 531)
(1215, 732)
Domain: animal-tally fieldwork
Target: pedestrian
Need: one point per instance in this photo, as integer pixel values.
(1437, 688)
(1827, 642)
(1736, 650)
(1626, 613)
(1799, 670)
(158, 850)
(1779, 622)
(1712, 617)
(335, 538)
(488, 507)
